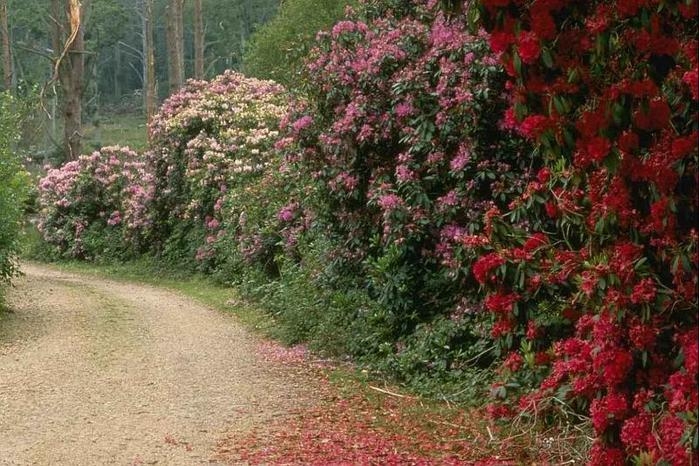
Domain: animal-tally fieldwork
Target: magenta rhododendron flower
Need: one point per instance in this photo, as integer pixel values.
(77, 197)
(302, 123)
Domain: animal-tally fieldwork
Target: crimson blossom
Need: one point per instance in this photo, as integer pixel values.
(607, 91)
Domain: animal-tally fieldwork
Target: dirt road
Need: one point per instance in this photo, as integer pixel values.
(98, 372)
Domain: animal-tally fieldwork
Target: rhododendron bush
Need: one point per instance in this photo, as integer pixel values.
(208, 139)
(596, 292)
(97, 206)
(401, 137)
(441, 197)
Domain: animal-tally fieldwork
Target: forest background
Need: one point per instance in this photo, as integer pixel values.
(119, 37)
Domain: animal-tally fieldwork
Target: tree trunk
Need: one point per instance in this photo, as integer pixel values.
(73, 89)
(69, 48)
(6, 53)
(149, 90)
(117, 69)
(174, 45)
(56, 41)
(198, 41)
(245, 20)
(179, 22)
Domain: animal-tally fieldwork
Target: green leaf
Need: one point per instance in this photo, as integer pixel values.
(517, 63)
(547, 58)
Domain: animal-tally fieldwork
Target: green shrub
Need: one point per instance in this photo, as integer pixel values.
(277, 50)
(14, 185)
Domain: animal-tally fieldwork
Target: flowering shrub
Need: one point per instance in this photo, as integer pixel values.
(13, 188)
(535, 185)
(208, 139)
(594, 290)
(400, 136)
(97, 206)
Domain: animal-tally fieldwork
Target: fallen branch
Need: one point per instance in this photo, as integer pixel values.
(387, 392)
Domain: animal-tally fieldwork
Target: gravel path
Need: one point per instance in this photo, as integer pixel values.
(96, 372)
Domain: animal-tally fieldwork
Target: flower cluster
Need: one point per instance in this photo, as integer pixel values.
(607, 92)
(210, 139)
(402, 143)
(98, 204)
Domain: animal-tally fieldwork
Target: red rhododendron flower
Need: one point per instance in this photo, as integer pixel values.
(689, 342)
(501, 41)
(614, 365)
(571, 314)
(483, 267)
(513, 362)
(628, 141)
(626, 8)
(589, 281)
(532, 330)
(636, 432)
(603, 455)
(657, 116)
(542, 358)
(644, 291)
(533, 126)
(501, 327)
(501, 303)
(691, 78)
(599, 21)
(543, 175)
(598, 149)
(643, 336)
(591, 123)
(528, 46)
(671, 432)
(544, 26)
(688, 10)
(551, 209)
(536, 241)
(509, 120)
(604, 411)
(682, 392)
(498, 411)
(685, 146)
(631, 99)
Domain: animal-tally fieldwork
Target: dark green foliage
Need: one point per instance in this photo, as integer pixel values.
(14, 186)
(277, 50)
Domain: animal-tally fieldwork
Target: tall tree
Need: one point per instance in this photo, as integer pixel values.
(6, 52)
(69, 68)
(175, 45)
(149, 85)
(198, 41)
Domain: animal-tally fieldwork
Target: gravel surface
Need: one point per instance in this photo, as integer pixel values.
(96, 372)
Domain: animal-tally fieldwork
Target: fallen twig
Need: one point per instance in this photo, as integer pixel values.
(490, 434)
(387, 392)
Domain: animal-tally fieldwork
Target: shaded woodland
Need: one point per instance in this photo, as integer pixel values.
(84, 59)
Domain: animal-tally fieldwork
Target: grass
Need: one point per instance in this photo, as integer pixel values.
(123, 130)
(197, 287)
